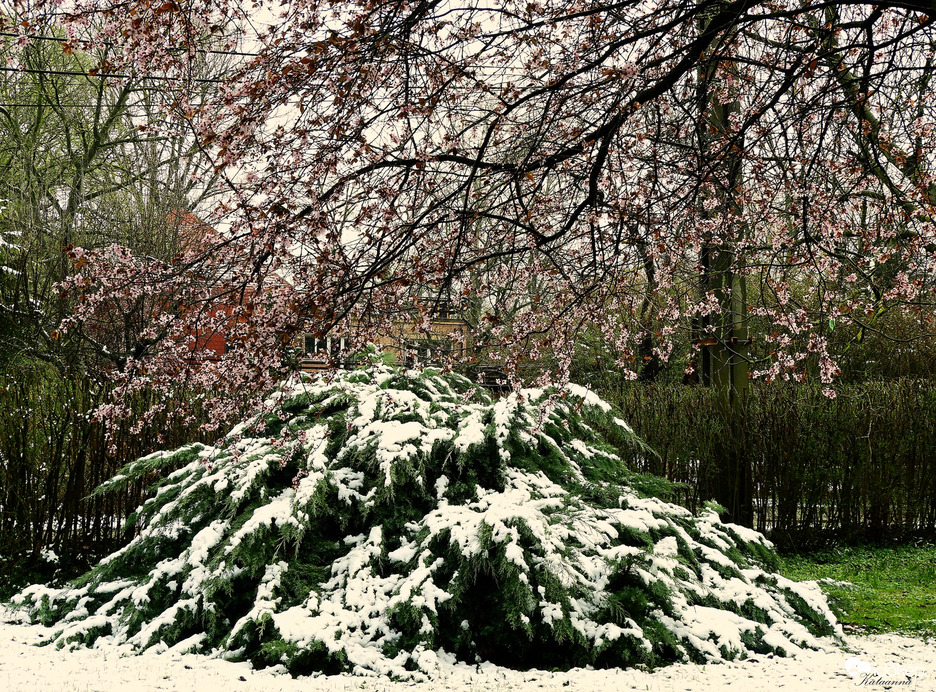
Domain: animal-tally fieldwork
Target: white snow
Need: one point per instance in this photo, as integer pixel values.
(277, 511)
(588, 396)
(28, 668)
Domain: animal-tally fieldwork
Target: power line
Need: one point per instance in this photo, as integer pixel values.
(67, 105)
(36, 104)
(36, 37)
(111, 75)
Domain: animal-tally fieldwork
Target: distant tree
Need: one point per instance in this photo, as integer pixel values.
(76, 170)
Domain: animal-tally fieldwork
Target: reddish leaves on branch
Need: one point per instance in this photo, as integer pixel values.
(379, 154)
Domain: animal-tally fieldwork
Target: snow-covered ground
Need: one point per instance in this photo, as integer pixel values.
(877, 662)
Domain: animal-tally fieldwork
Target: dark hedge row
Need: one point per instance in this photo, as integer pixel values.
(52, 457)
(861, 466)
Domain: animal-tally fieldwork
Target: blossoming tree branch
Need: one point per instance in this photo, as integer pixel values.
(746, 176)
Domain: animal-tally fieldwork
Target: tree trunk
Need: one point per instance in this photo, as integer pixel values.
(723, 336)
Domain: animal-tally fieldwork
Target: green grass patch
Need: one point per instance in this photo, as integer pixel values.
(890, 589)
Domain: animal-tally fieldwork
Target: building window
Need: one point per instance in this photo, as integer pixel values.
(426, 351)
(444, 311)
(330, 350)
(325, 347)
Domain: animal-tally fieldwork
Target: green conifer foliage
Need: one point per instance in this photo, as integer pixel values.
(392, 522)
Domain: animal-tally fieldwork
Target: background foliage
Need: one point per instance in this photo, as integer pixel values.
(76, 168)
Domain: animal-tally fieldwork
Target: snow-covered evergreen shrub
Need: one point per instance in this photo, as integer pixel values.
(385, 521)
